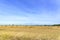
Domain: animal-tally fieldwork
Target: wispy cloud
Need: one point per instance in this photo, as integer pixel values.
(29, 11)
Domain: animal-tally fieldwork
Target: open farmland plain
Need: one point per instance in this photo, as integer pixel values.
(29, 33)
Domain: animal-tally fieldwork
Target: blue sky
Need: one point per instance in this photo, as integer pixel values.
(29, 12)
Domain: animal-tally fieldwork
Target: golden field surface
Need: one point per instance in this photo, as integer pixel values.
(29, 33)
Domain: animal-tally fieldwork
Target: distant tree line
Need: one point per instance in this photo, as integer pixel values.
(56, 25)
(52, 25)
(31, 25)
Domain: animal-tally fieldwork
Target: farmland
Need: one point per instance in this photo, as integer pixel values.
(29, 33)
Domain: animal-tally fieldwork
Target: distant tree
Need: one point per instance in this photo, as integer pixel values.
(56, 25)
(12, 24)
